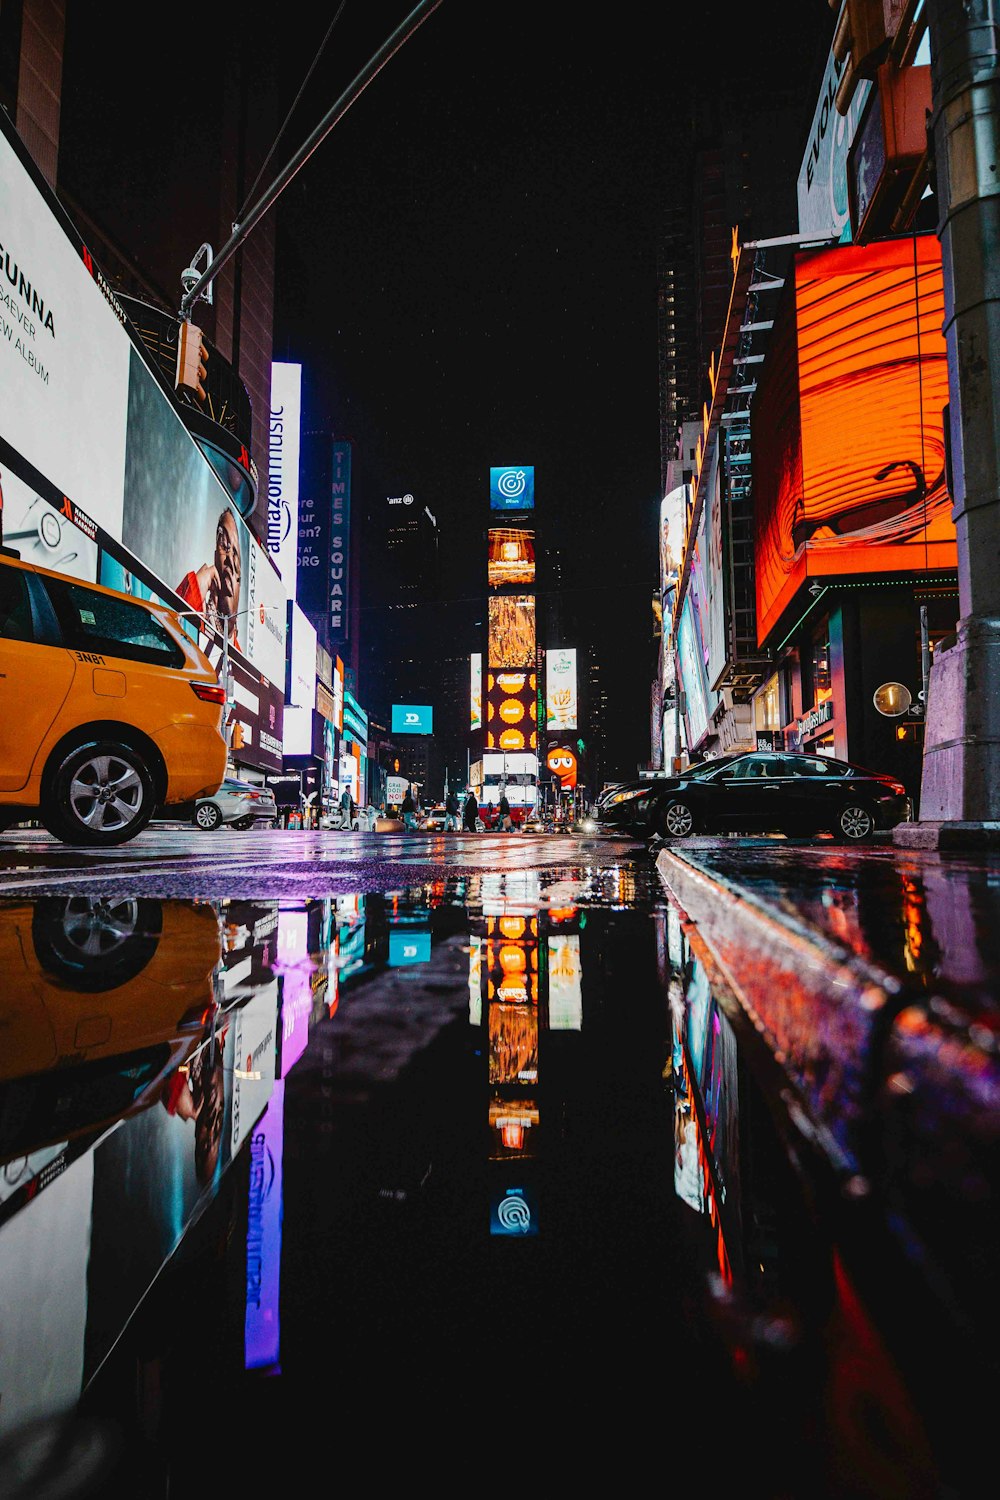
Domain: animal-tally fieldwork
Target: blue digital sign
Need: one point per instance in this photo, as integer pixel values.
(409, 948)
(512, 488)
(412, 718)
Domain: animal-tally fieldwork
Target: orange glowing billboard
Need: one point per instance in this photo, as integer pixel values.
(512, 631)
(511, 711)
(511, 557)
(847, 425)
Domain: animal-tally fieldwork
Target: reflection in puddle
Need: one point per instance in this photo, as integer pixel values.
(407, 1118)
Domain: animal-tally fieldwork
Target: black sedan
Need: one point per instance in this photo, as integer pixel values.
(761, 792)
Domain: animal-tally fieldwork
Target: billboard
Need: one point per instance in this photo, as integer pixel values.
(511, 557)
(476, 690)
(101, 478)
(412, 718)
(847, 427)
(562, 762)
(512, 488)
(512, 630)
(560, 689)
(396, 788)
(511, 711)
(824, 209)
(300, 689)
(283, 471)
(324, 536)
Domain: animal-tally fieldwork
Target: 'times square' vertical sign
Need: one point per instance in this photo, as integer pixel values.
(340, 542)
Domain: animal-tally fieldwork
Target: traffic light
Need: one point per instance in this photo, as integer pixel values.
(913, 732)
(192, 361)
(860, 44)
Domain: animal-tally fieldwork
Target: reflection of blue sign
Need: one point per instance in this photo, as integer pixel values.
(409, 948)
(514, 1211)
(512, 488)
(412, 718)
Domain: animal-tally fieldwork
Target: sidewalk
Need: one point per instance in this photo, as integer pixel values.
(872, 978)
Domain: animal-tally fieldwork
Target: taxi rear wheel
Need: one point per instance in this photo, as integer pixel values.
(98, 794)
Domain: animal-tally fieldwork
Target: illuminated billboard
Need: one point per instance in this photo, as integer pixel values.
(512, 488)
(101, 478)
(301, 686)
(511, 557)
(561, 761)
(512, 630)
(511, 711)
(476, 690)
(283, 471)
(847, 426)
(412, 718)
(560, 689)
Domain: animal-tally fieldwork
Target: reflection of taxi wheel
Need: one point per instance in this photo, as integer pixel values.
(99, 794)
(95, 943)
(207, 816)
(243, 823)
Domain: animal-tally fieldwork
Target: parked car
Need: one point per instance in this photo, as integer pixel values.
(756, 793)
(116, 711)
(241, 804)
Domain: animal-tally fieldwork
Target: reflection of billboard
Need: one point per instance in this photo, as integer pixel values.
(560, 689)
(511, 557)
(476, 690)
(848, 435)
(407, 946)
(511, 711)
(565, 983)
(512, 631)
(412, 718)
(512, 488)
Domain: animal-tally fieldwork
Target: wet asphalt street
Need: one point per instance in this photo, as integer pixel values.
(530, 1156)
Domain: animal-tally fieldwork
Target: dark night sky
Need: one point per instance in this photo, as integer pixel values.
(466, 264)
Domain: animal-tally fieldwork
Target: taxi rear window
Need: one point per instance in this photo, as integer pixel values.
(111, 627)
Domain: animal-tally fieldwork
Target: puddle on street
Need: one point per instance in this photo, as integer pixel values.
(486, 1156)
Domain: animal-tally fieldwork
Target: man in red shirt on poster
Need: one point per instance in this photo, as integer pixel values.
(214, 590)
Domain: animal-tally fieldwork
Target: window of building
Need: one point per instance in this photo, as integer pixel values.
(819, 664)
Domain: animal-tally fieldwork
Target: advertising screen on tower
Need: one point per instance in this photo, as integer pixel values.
(476, 690)
(412, 718)
(512, 631)
(511, 557)
(847, 426)
(512, 488)
(560, 689)
(511, 711)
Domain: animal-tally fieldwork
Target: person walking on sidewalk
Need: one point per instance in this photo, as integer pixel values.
(451, 813)
(504, 821)
(408, 810)
(470, 814)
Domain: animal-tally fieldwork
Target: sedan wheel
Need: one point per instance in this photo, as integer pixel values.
(101, 794)
(207, 816)
(854, 823)
(677, 821)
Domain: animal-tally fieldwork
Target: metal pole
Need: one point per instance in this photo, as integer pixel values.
(353, 91)
(925, 656)
(961, 768)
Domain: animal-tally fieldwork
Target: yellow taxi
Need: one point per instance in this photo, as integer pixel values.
(108, 709)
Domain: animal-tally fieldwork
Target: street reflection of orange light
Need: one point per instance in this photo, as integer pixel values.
(512, 927)
(490, 989)
(512, 960)
(562, 913)
(512, 1135)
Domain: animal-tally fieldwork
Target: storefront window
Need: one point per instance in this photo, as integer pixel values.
(820, 664)
(767, 705)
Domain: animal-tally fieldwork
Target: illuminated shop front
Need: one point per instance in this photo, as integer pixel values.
(854, 546)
